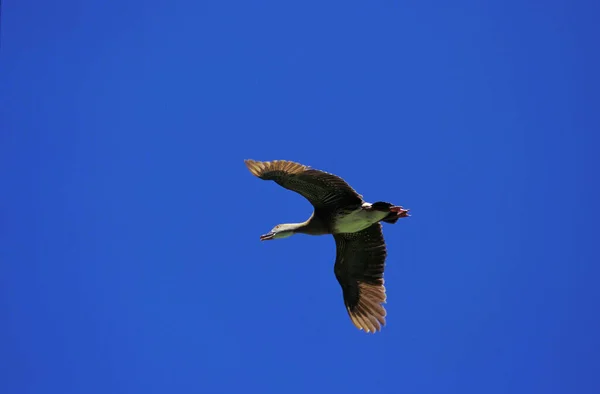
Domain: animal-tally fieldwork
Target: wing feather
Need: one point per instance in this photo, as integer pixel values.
(359, 267)
(322, 189)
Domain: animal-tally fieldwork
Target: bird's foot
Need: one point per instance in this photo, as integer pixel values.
(401, 212)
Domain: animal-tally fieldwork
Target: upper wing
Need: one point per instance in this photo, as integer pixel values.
(359, 266)
(320, 188)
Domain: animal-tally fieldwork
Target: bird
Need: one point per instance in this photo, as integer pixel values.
(355, 225)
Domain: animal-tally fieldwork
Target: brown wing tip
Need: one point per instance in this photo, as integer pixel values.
(369, 315)
(253, 166)
(260, 168)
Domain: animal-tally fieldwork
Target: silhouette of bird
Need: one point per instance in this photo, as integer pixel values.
(355, 225)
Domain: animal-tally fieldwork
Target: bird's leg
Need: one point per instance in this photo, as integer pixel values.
(401, 212)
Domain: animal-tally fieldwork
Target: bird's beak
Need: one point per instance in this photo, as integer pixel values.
(267, 236)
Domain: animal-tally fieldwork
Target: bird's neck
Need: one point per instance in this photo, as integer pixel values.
(313, 226)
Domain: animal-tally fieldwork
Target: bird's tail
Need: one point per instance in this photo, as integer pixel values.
(395, 212)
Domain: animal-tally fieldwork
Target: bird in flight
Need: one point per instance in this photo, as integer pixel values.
(355, 225)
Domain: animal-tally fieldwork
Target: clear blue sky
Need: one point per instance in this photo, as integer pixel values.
(129, 252)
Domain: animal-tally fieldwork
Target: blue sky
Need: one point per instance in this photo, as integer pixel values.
(129, 252)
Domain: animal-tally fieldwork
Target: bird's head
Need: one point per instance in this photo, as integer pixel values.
(279, 231)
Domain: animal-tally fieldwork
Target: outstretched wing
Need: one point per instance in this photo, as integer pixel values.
(359, 266)
(322, 189)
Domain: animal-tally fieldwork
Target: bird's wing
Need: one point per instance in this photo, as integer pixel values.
(322, 189)
(359, 266)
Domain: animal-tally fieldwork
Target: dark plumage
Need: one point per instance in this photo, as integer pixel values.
(339, 210)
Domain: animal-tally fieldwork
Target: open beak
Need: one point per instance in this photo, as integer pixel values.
(267, 236)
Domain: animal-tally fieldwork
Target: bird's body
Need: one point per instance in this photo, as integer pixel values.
(355, 225)
(355, 220)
